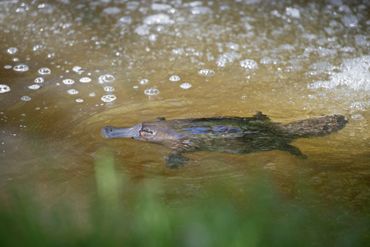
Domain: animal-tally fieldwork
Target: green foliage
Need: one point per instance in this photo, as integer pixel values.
(124, 214)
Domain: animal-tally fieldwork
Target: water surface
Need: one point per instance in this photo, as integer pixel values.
(68, 68)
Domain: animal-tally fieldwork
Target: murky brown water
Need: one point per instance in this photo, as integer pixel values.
(181, 59)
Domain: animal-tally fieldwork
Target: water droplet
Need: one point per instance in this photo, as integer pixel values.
(12, 50)
(79, 100)
(8, 66)
(109, 89)
(151, 91)
(44, 71)
(21, 68)
(174, 78)
(85, 80)
(68, 81)
(107, 78)
(92, 94)
(4, 88)
(72, 91)
(185, 85)
(26, 98)
(34, 86)
(108, 98)
(206, 72)
(39, 80)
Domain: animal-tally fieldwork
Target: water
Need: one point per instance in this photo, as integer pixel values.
(74, 67)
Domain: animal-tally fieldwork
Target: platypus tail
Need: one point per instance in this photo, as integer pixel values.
(315, 126)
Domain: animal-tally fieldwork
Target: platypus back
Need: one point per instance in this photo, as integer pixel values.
(319, 126)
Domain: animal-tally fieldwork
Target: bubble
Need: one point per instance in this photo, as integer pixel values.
(109, 89)
(206, 72)
(44, 71)
(79, 100)
(7, 66)
(125, 20)
(185, 85)
(249, 64)
(151, 91)
(200, 10)
(354, 73)
(85, 80)
(107, 78)
(143, 81)
(4, 88)
(292, 12)
(26, 98)
(350, 21)
(39, 80)
(92, 94)
(21, 68)
(34, 86)
(68, 81)
(160, 19)
(111, 11)
(12, 50)
(77, 69)
(108, 98)
(227, 58)
(174, 78)
(160, 7)
(72, 91)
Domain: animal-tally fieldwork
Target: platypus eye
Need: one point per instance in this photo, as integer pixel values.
(146, 132)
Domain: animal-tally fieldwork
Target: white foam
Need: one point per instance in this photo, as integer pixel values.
(354, 73)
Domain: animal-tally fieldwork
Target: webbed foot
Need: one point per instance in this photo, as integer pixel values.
(295, 151)
(175, 160)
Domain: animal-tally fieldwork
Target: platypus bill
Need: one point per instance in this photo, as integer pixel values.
(226, 134)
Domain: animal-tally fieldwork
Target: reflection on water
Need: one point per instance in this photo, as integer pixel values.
(68, 68)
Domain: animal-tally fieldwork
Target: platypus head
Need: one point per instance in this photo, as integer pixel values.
(150, 132)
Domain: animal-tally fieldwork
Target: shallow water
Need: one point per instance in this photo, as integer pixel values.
(67, 69)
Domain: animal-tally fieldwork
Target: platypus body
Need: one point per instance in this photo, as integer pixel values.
(226, 134)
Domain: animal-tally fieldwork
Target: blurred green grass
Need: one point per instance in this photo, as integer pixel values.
(141, 217)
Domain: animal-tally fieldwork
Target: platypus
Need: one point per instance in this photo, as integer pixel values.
(226, 134)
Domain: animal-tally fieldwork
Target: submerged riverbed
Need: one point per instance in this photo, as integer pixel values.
(68, 68)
